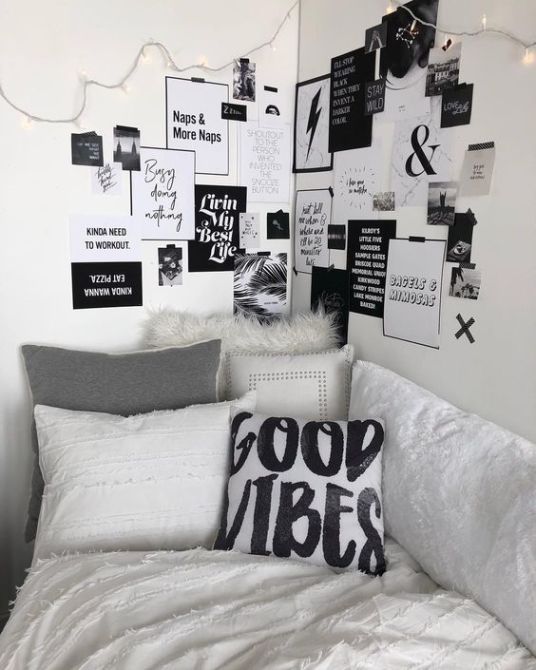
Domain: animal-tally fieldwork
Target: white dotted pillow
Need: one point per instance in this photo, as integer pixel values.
(312, 386)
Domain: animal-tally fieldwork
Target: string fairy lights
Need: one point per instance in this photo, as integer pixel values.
(143, 56)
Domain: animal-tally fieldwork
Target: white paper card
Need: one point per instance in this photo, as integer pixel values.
(107, 179)
(265, 162)
(193, 121)
(312, 218)
(477, 169)
(249, 227)
(103, 238)
(163, 194)
(421, 153)
(273, 110)
(357, 179)
(413, 291)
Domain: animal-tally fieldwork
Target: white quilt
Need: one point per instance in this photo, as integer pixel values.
(204, 609)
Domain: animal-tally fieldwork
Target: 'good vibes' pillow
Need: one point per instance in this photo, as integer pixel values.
(306, 489)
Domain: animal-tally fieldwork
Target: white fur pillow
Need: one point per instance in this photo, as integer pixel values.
(296, 334)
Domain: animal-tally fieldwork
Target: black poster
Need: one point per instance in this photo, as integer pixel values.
(86, 149)
(217, 232)
(460, 239)
(456, 106)
(329, 291)
(368, 245)
(106, 284)
(349, 128)
(234, 112)
(277, 225)
(375, 96)
(375, 37)
(337, 236)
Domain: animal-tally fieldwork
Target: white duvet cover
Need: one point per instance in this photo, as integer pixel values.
(204, 609)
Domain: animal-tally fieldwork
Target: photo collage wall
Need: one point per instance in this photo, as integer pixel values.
(199, 227)
(398, 74)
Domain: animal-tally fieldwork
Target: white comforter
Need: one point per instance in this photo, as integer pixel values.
(207, 609)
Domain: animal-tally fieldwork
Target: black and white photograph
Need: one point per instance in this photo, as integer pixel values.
(383, 201)
(404, 60)
(244, 82)
(337, 236)
(375, 37)
(443, 69)
(127, 147)
(170, 266)
(260, 284)
(465, 282)
(441, 203)
(277, 225)
(311, 126)
(460, 239)
(86, 149)
(329, 292)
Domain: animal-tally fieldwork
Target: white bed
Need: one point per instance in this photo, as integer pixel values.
(202, 609)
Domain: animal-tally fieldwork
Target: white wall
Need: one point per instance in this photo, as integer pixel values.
(43, 46)
(496, 376)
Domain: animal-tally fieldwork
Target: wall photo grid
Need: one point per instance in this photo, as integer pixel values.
(246, 225)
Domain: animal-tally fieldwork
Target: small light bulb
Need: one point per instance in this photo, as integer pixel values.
(203, 61)
(145, 58)
(273, 47)
(389, 9)
(125, 87)
(26, 122)
(83, 75)
(528, 58)
(484, 21)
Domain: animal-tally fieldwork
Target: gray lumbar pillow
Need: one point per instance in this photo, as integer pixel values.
(124, 384)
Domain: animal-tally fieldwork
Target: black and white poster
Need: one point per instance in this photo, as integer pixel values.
(277, 225)
(337, 236)
(107, 179)
(244, 80)
(441, 202)
(404, 60)
(273, 107)
(260, 284)
(477, 169)
(127, 147)
(163, 194)
(105, 261)
(265, 162)
(86, 149)
(349, 126)
(311, 126)
(311, 220)
(460, 239)
(170, 267)
(217, 234)
(375, 96)
(421, 153)
(443, 69)
(413, 291)
(329, 292)
(356, 179)
(375, 37)
(383, 201)
(250, 232)
(456, 106)
(368, 246)
(465, 281)
(194, 123)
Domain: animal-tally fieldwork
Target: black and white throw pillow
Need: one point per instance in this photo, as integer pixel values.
(308, 490)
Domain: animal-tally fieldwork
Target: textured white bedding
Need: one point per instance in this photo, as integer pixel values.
(200, 609)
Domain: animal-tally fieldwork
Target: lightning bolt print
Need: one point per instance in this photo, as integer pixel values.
(314, 115)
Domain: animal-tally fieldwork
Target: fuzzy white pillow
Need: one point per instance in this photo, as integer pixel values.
(143, 482)
(300, 333)
(309, 386)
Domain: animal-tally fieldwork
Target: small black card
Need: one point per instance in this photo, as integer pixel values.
(375, 96)
(233, 112)
(456, 106)
(460, 238)
(86, 149)
(336, 236)
(106, 284)
(277, 225)
(375, 37)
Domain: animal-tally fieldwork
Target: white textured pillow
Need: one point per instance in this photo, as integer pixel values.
(150, 481)
(309, 490)
(309, 386)
(459, 495)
